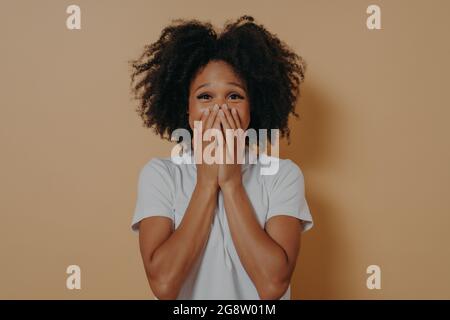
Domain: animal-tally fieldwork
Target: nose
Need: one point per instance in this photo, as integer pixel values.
(220, 101)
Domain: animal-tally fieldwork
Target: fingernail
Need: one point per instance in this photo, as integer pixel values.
(233, 110)
(225, 106)
(216, 107)
(220, 113)
(206, 111)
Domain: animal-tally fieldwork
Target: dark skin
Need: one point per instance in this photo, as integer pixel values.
(268, 254)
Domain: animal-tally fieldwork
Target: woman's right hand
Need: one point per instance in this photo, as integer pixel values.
(207, 174)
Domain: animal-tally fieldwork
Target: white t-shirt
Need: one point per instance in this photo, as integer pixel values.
(165, 189)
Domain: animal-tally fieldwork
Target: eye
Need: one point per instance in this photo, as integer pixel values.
(235, 96)
(203, 96)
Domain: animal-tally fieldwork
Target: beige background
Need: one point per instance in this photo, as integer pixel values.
(372, 143)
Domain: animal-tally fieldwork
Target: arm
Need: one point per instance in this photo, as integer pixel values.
(169, 255)
(269, 256)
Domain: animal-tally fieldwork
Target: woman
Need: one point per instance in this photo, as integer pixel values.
(221, 230)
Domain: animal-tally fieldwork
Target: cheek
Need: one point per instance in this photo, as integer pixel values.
(195, 113)
(244, 116)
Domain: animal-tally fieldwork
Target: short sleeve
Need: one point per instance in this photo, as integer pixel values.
(287, 194)
(154, 193)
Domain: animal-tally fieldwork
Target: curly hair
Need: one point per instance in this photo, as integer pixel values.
(162, 75)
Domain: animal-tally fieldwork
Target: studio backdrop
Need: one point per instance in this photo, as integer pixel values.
(372, 141)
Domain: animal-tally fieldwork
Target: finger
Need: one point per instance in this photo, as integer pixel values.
(212, 117)
(227, 131)
(223, 120)
(237, 144)
(205, 114)
(236, 118)
(228, 116)
(216, 125)
(224, 123)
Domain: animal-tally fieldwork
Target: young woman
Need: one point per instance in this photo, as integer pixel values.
(219, 231)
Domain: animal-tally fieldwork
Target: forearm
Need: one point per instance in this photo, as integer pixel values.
(265, 261)
(172, 261)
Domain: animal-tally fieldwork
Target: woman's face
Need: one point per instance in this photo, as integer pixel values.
(217, 83)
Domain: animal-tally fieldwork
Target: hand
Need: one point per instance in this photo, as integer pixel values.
(230, 172)
(207, 174)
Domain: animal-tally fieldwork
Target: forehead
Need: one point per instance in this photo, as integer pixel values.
(216, 71)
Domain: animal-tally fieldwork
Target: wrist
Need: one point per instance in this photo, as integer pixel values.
(207, 185)
(230, 185)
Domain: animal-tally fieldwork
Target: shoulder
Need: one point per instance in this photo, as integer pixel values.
(289, 166)
(158, 162)
(280, 167)
(157, 167)
(283, 175)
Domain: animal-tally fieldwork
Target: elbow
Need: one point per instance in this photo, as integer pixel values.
(273, 290)
(162, 285)
(163, 291)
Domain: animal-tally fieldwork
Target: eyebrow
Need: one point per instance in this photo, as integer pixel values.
(232, 83)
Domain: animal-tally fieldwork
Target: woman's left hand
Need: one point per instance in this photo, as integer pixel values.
(230, 174)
